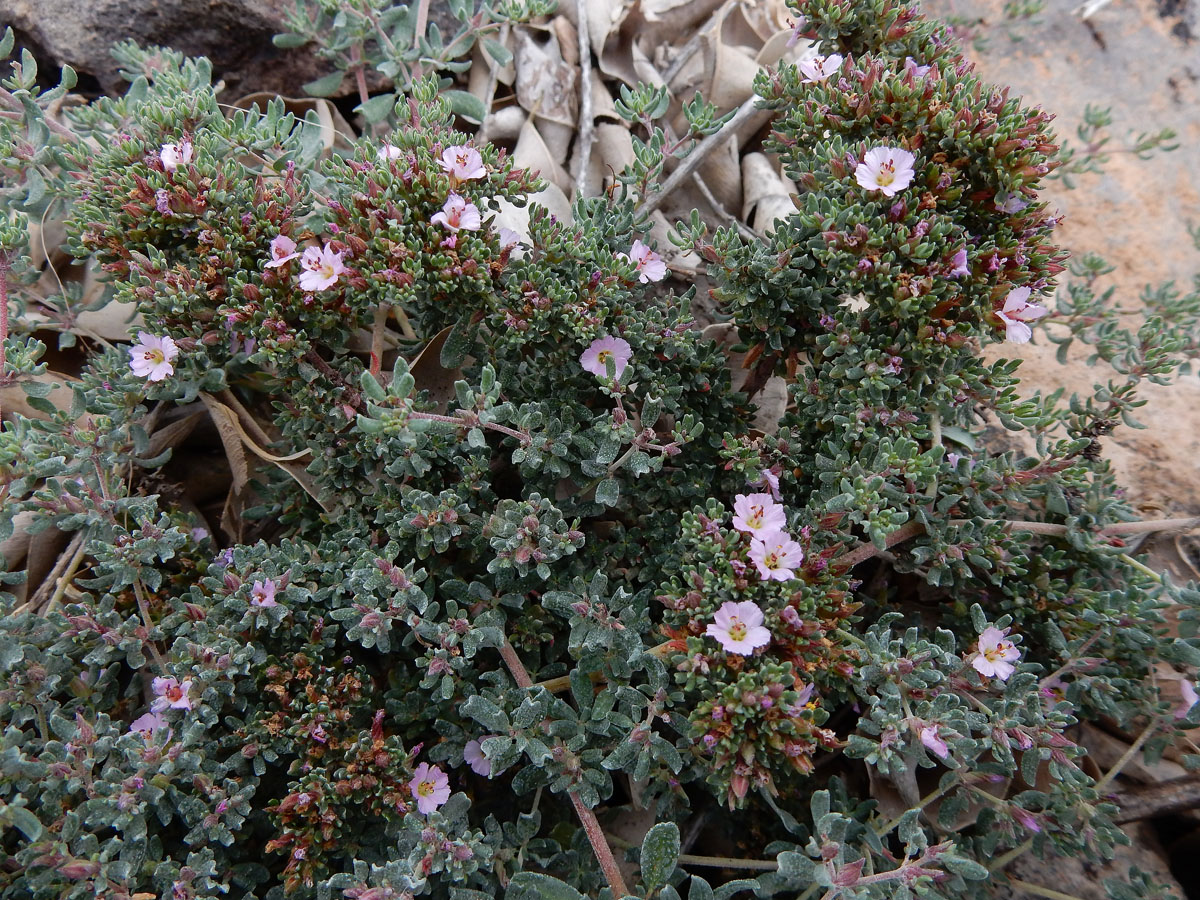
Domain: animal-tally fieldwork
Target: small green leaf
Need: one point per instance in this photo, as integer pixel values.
(608, 492)
(325, 87)
(24, 821)
(466, 105)
(497, 51)
(536, 886)
(486, 713)
(377, 108)
(967, 868)
(456, 347)
(289, 41)
(959, 436)
(660, 853)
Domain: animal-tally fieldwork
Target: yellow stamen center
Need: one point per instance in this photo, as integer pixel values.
(153, 356)
(737, 630)
(425, 788)
(887, 173)
(603, 357)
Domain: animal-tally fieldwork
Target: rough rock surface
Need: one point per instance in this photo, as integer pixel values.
(1143, 61)
(234, 34)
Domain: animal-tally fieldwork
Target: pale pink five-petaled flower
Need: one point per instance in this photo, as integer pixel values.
(175, 155)
(758, 515)
(462, 162)
(931, 740)
(1190, 698)
(738, 628)
(473, 757)
(1010, 203)
(458, 214)
(649, 265)
(262, 594)
(769, 480)
(776, 556)
(170, 694)
(1016, 312)
(959, 261)
(819, 68)
(390, 151)
(886, 169)
(148, 723)
(283, 249)
(430, 787)
(918, 71)
(798, 28)
(595, 358)
(151, 356)
(996, 654)
(322, 268)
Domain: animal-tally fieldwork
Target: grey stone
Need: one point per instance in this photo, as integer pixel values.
(234, 34)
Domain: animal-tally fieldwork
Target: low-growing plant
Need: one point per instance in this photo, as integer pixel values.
(504, 550)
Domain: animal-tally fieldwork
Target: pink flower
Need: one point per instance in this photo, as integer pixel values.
(738, 628)
(775, 556)
(910, 66)
(959, 261)
(430, 787)
(1025, 817)
(148, 723)
(170, 694)
(262, 594)
(819, 68)
(886, 169)
(463, 163)
(1187, 691)
(595, 358)
(322, 268)
(995, 655)
(929, 737)
(473, 757)
(1017, 311)
(798, 28)
(758, 515)
(1010, 203)
(175, 155)
(769, 481)
(649, 265)
(458, 214)
(283, 249)
(508, 238)
(389, 152)
(1053, 691)
(151, 356)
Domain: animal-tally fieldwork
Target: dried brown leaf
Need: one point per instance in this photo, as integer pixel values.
(174, 433)
(545, 84)
(772, 399)
(429, 373)
(13, 399)
(231, 439)
(532, 153)
(766, 194)
(14, 549)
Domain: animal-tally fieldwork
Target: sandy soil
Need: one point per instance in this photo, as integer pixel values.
(1141, 59)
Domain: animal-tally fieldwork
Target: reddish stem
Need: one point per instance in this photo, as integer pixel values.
(4, 265)
(591, 825)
